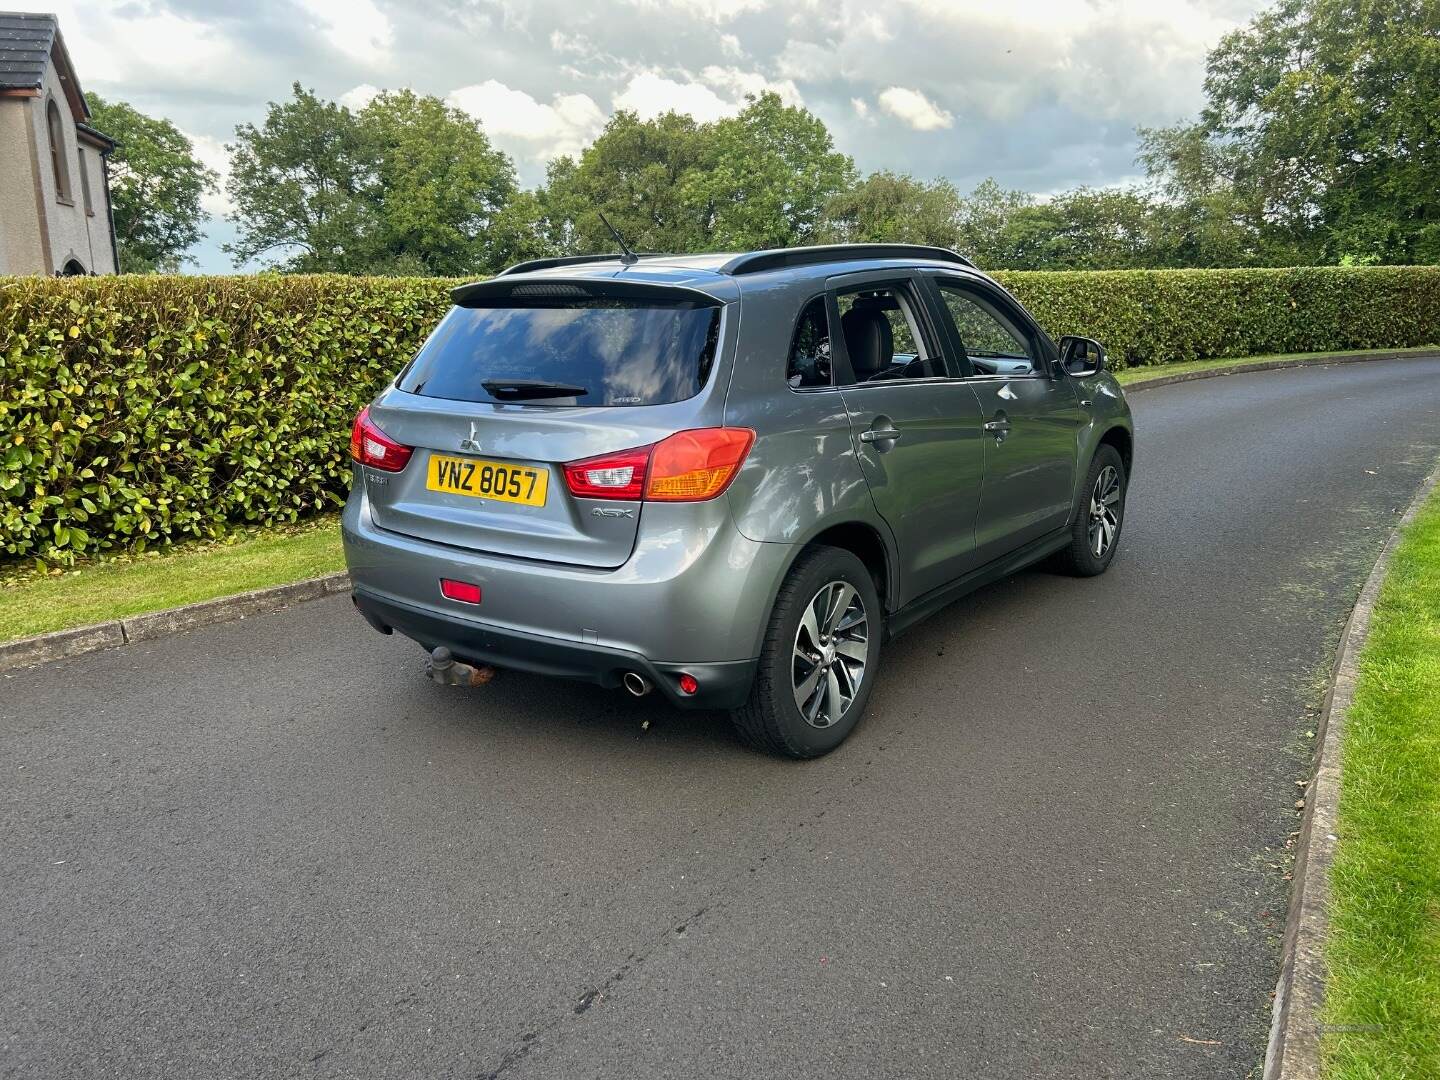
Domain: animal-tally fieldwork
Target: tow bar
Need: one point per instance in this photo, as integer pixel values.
(444, 669)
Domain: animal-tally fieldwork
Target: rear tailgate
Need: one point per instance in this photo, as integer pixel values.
(524, 377)
(562, 528)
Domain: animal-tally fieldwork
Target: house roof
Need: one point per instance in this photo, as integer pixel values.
(27, 41)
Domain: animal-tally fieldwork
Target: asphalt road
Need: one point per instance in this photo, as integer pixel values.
(1055, 847)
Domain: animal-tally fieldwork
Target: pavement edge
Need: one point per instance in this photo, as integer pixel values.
(1242, 368)
(1293, 1049)
(62, 644)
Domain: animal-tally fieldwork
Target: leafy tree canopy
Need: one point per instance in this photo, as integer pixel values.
(156, 184)
(407, 185)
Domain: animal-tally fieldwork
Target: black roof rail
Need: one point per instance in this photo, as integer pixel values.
(780, 258)
(568, 260)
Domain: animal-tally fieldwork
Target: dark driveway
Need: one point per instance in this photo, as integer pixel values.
(1055, 848)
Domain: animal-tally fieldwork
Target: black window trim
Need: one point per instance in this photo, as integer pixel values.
(907, 278)
(1046, 355)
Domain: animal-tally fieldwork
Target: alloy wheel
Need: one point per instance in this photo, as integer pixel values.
(832, 644)
(1104, 511)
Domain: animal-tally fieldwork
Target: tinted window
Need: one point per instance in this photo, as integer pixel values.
(810, 351)
(606, 352)
(993, 344)
(882, 337)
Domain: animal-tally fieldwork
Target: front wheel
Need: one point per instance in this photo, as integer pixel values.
(1095, 533)
(818, 662)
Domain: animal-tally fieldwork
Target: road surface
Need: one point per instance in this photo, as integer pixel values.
(1055, 847)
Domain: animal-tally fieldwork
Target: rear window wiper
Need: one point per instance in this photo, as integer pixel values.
(519, 389)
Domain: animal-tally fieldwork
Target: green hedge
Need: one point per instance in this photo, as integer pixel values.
(140, 410)
(1168, 316)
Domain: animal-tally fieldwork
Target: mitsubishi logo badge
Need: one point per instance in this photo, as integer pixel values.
(470, 442)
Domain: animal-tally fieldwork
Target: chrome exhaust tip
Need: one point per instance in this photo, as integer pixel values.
(636, 683)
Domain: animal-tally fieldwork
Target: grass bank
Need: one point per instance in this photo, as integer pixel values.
(33, 603)
(1382, 1010)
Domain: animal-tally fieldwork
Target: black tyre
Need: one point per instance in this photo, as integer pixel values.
(1095, 534)
(818, 663)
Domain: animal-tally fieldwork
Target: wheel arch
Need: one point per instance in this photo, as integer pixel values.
(1123, 442)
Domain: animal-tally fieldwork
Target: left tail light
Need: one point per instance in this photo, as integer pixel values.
(689, 466)
(374, 449)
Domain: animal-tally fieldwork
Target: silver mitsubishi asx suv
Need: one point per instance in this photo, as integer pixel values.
(727, 478)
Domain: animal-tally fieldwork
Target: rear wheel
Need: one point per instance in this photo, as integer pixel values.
(1095, 533)
(818, 662)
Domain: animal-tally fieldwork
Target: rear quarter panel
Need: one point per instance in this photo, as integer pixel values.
(802, 475)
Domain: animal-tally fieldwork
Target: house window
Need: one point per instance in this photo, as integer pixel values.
(58, 159)
(85, 181)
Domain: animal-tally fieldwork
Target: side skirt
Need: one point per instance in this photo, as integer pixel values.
(922, 607)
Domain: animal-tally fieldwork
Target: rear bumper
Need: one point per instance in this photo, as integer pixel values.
(722, 685)
(694, 596)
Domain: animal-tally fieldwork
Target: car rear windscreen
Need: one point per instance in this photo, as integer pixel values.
(582, 352)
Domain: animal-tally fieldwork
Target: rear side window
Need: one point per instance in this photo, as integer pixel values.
(581, 352)
(810, 351)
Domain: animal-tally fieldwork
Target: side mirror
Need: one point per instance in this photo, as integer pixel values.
(1082, 356)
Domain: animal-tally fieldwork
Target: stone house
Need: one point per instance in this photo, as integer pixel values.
(54, 186)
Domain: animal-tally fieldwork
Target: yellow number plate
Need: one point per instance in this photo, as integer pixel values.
(488, 480)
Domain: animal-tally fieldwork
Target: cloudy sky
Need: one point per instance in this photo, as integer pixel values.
(1041, 94)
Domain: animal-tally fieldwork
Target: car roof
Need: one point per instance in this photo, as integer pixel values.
(719, 274)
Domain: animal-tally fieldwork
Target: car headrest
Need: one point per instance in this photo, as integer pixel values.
(868, 340)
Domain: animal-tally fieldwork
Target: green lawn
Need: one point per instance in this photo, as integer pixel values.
(116, 588)
(1383, 993)
(1130, 376)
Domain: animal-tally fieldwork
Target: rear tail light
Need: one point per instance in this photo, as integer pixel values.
(689, 466)
(373, 448)
(610, 476)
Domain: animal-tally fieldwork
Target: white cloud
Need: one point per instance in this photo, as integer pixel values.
(717, 11)
(652, 95)
(862, 110)
(716, 92)
(212, 154)
(564, 126)
(357, 97)
(914, 108)
(357, 28)
(737, 84)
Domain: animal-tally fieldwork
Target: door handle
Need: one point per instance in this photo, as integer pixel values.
(874, 435)
(997, 426)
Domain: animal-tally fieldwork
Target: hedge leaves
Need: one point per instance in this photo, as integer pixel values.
(138, 411)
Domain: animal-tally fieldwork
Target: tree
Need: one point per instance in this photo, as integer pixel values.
(438, 184)
(407, 185)
(1085, 229)
(1323, 114)
(634, 172)
(892, 207)
(299, 184)
(766, 176)
(156, 184)
(985, 215)
(759, 179)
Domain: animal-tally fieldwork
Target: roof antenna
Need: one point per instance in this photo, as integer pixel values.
(627, 257)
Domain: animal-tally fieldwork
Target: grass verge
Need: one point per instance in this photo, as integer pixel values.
(116, 588)
(1135, 375)
(1382, 1008)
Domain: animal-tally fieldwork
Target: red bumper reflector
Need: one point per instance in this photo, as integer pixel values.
(688, 685)
(463, 591)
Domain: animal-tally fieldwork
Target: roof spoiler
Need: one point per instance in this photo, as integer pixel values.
(498, 291)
